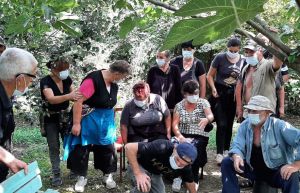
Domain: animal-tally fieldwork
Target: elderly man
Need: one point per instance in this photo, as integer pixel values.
(146, 117)
(165, 80)
(265, 149)
(17, 71)
(257, 78)
(150, 160)
(2, 45)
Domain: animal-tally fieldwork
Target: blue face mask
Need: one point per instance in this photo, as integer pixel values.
(252, 60)
(173, 163)
(192, 98)
(232, 55)
(254, 119)
(160, 62)
(64, 74)
(187, 54)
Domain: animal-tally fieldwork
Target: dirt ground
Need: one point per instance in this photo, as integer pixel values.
(211, 183)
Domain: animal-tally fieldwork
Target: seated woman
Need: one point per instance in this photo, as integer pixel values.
(146, 117)
(192, 119)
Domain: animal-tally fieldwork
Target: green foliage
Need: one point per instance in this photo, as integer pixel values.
(292, 90)
(208, 28)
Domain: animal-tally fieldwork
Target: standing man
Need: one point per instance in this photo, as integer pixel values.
(257, 78)
(150, 160)
(17, 71)
(265, 149)
(164, 79)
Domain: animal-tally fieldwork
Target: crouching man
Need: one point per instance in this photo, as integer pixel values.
(149, 161)
(265, 149)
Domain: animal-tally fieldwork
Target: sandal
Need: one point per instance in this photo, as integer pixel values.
(246, 184)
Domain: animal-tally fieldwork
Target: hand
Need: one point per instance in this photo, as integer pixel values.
(75, 95)
(237, 162)
(281, 112)
(76, 129)
(181, 139)
(203, 123)
(287, 170)
(215, 93)
(239, 113)
(16, 165)
(143, 182)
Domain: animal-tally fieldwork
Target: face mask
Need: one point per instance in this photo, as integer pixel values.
(187, 54)
(254, 119)
(64, 74)
(232, 55)
(173, 163)
(192, 98)
(252, 60)
(19, 93)
(140, 103)
(160, 62)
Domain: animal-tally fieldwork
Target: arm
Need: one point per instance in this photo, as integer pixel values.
(175, 128)
(281, 101)
(48, 92)
(124, 133)
(168, 126)
(77, 113)
(277, 63)
(177, 84)
(238, 98)
(191, 187)
(202, 81)
(210, 79)
(10, 161)
(142, 179)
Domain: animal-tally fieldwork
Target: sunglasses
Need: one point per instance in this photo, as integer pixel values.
(27, 74)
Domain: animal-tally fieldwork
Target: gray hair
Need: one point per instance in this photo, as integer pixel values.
(120, 66)
(14, 61)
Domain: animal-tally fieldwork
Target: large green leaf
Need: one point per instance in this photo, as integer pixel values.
(68, 29)
(17, 25)
(195, 7)
(126, 26)
(222, 24)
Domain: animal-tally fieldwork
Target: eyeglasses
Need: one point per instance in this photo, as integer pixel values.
(27, 74)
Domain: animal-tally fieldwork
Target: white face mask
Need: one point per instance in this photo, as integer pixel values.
(173, 163)
(254, 119)
(187, 54)
(140, 104)
(252, 60)
(232, 55)
(160, 62)
(192, 98)
(64, 74)
(19, 93)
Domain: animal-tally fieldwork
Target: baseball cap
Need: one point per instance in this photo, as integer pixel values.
(259, 103)
(186, 150)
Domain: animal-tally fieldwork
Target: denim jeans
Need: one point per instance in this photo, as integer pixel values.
(53, 132)
(231, 184)
(157, 183)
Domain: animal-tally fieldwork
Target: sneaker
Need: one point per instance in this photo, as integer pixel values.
(109, 181)
(176, 186)
(56, 180)
(219, 158)
(81, 182)
(225, 154)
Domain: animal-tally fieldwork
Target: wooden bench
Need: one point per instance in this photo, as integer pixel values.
(21, 183)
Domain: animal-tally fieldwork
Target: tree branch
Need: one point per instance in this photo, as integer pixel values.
(269, 34)
(281, 55)
(164, 5)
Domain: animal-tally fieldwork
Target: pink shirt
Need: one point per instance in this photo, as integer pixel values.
(87, 88)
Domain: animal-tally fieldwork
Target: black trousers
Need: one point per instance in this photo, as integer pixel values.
(224, 113)
(105, 159)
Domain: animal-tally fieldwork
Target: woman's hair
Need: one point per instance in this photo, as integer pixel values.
(190, 87)
(120, 66)
(233, 42)
(59, 64)
(14, 61)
